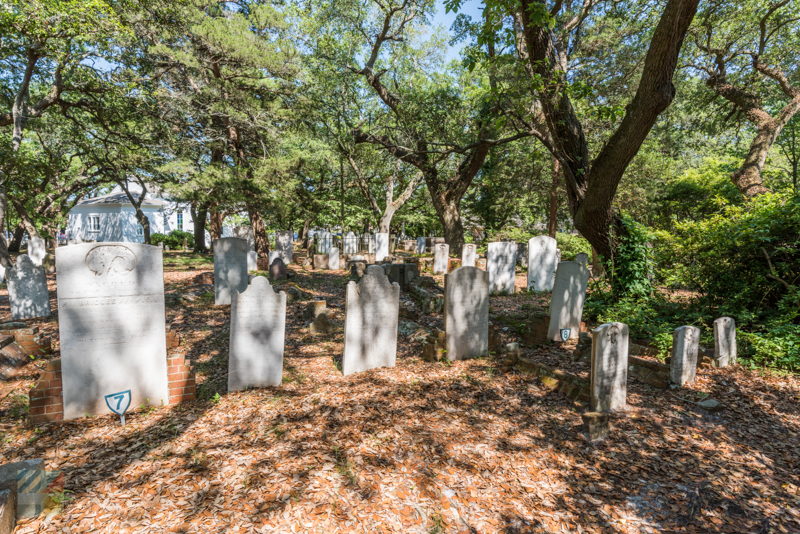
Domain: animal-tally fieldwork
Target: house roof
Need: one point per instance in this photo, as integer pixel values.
(118, 198)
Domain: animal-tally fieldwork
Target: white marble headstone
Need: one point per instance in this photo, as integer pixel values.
(333, 259)
(420, 249)
(441, 256)
(724, 341)
(609, 371)
(324, 241)
(685, 346)
(230, 268)
(370, 327)
(27, 290)
(252, 260)
(501, 260)
(543, 260)
(381, 246)
(111, 325)
(566, 303)
(469, 254)
(466, 307)
(258, 326)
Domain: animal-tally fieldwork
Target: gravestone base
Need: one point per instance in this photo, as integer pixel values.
(597, 425)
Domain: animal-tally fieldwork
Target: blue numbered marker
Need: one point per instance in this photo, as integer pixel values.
(119, 403)
(565, 334)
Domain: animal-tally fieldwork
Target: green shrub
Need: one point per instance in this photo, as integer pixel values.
(175, 240)
(632, 268)
(571, 245)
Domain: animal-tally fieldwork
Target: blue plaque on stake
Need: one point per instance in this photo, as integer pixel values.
(119, 403)
(565, 334)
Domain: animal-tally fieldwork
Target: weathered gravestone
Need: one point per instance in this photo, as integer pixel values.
(27, 290)
(230, 268)
(277, 269)
(420, 246)
(370, 326)
(258, 325)
(333, 259)
(441, 255)
(566, 303)
(37, 250)
(2, 273)
(469, 254)
(582, 257)
(542, 263)
(381, 246)
(466, 319)
(350, 244)
(252, 260)
(501, 260)
(609, 371)
(284, 245)
(324, 242)
(724, 342)
(685, 346)
(368, 243)
(111, 325)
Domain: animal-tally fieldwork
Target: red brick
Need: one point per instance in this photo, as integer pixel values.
(54, 408)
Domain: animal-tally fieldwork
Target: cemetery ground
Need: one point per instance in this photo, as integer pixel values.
(471, 446)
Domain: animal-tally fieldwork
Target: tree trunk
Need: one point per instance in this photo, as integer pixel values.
(552, 220)
(385, 223)
(450, 217)
(260, 237)
(748, 177)
(16, 239)
(199, 216)
(144, 221)
(215, 223)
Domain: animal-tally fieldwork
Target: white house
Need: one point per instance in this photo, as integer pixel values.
(111, 217)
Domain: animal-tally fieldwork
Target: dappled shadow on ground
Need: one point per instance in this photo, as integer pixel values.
(426, 447)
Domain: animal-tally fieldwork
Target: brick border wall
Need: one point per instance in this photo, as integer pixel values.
(47, 402)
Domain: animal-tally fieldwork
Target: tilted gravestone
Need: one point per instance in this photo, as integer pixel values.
(542, 263)
(27, 290)
(441, 255)
(685, 346)
(609, 371)
(333, 259)
(230, 268)
(466, 319)
(469, 254)
(111, 325)
(284, 245)
(420, 249)
(258, 326)
(566, 303)
(324, 241)
(37, 250)
(501, 260)
(381, 246)
(370, 326)
(724, 342)
(350, 244)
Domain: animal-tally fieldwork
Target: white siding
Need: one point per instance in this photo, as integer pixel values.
(117, 223)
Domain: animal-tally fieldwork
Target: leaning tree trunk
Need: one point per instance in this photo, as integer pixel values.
(748, 177)
(199, 216)
(145, 224)
(260, 237)
(385, 223)
(450, 216)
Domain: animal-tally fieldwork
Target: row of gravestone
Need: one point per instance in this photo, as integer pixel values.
(112, 319)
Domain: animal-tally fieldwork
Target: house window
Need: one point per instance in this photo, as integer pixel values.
(94, 223)
(180, 220)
